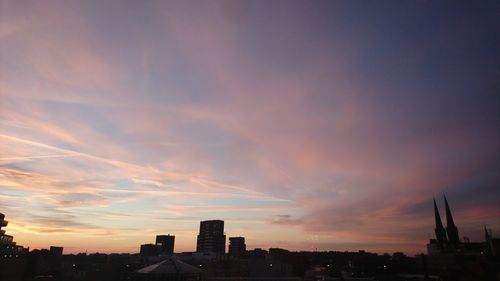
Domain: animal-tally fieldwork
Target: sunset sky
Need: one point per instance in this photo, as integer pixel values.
(304, 125)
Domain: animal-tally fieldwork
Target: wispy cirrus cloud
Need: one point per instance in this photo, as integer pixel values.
(326, 134)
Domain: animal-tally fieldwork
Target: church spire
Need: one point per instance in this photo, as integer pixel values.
(451, 229)
(487, 235)
(439, 230)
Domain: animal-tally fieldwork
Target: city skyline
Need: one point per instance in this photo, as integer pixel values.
(302, 125)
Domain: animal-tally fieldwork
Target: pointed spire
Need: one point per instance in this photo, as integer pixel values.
(439, 223)
(451, 228)
(439, 230)
(487, 235)
(449, 217)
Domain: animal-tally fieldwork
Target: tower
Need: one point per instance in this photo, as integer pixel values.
(211, 238)
(237, 246)
(439, 230)
(165, 244)
(451, 228)
(487, 234)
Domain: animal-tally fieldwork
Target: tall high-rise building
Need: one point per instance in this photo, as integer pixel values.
(165, 244)
(211, 238)
(237, 246)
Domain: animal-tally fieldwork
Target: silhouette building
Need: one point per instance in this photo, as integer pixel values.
(149, 250)
(447, 239)
(8, 248)
(56, 251)
(211, 238)
(165, 244)
(439, 230)
(237, 247)
(451, 228)
(12, 256)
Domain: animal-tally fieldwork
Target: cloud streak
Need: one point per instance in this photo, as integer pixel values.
(287, 117)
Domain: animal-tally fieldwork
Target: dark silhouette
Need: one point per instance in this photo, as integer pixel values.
(12, 256)
(165, 244)
(451, 228)
(450, 261)
(211, 238)
(439, 230)
(237, 247)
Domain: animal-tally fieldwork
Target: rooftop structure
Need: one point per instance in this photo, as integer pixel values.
(169, 269)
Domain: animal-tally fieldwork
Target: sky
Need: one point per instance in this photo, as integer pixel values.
(305, 125)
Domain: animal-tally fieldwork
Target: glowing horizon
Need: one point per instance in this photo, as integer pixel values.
(323, 125)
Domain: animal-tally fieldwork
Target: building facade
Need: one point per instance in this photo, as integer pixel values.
(56, 251)
(12, 256)
(237, 246)
(165, 244)
(149, 250)
(211, 238)
(8, 248)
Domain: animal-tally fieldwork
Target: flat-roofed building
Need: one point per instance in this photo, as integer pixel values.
(211, 238)
(237, 246)
(165, 244)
